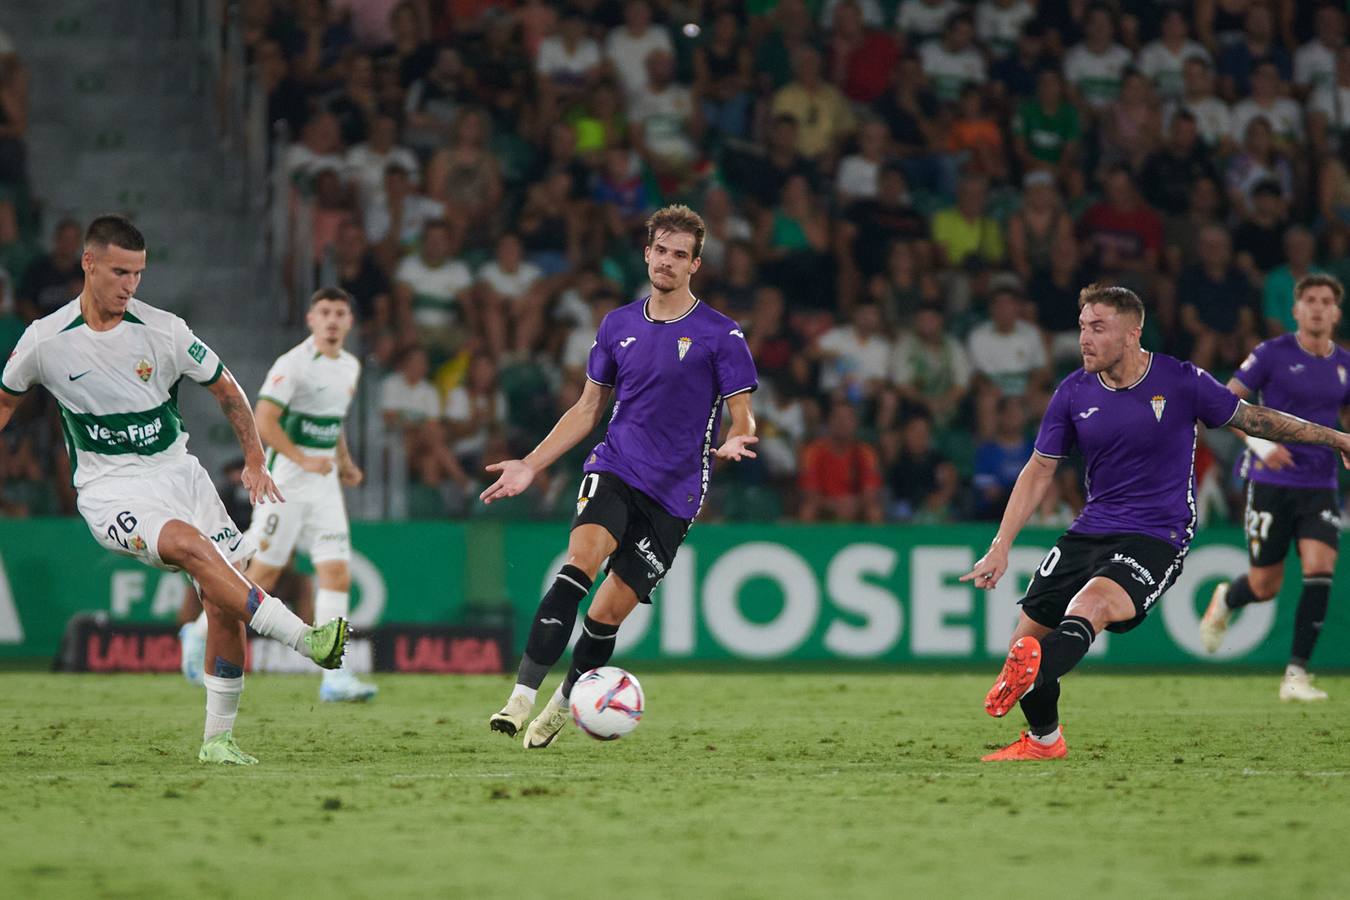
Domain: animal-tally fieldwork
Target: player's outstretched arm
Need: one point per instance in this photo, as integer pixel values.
(1273, 425)
(1274, 456)
(1027, 494)
(575, 424)
(234, 404)
(741, 434)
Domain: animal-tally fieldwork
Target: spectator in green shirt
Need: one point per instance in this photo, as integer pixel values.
(1046, 132)
(1299, 247)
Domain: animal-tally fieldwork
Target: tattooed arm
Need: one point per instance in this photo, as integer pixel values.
(1273, 425)
(234, 404)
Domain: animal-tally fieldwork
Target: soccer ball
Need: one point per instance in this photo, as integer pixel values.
(607, 703)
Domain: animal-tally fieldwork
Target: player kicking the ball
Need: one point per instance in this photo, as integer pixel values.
(671, 362)
(300, 413)
(1291, 492)
(1134, 416)
(113, 364)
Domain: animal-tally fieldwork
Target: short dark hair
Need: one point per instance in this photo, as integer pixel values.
(114, 231)
(331, 293)
(1121, 299)
(679, 219)
(1319, 279)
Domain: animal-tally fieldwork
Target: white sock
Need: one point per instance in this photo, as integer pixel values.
(222, 704)
(528, 693)
(199, 626)
(1294, 671)
(1046, 740)
(329, 605)
(272, 619)
(558, 697)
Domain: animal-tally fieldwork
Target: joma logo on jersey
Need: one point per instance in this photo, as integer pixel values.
(139, 435)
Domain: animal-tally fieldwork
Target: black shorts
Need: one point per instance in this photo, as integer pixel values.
(1278, 515)
(1144, 566)
(648, 536)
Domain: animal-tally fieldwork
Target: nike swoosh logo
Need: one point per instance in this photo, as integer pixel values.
(235, 545)
(79, 376)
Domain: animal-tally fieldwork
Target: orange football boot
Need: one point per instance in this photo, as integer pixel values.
(1018, 675)
(1027, 747)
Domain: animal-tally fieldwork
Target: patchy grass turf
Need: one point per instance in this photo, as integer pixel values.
(735, 786)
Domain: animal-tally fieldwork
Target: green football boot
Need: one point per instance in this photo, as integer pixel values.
(223, 750)
(326, 643)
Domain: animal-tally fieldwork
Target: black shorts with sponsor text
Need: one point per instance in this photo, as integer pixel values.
(1144, 566)
(1278, 515)
(647, 535)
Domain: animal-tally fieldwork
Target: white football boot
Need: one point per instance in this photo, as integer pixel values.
(1214, 624)
(512, 716)
(546, 727)
(1298, 686)
(341, 686)
(193, 647)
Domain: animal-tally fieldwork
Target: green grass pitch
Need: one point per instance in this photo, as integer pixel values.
(735, 786)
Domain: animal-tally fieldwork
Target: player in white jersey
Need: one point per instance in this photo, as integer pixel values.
(300, 412)
(114, 365)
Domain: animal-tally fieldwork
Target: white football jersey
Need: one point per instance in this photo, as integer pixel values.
(117, 389)
(314, 392)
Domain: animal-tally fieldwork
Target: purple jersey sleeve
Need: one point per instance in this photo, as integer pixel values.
(1215, 405)
(1255, 369)
(735, 366)
(1056, 436)
(601, 367)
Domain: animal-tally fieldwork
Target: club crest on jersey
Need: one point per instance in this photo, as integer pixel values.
(1159, 403)
(685, 343)
(144, 370)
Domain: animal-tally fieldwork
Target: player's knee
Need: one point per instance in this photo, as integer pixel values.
(1099, 609)
(334, 577)
(609, 614)
(184, 546)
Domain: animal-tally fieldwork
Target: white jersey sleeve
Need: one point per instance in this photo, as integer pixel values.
(192, 357)
(22, 370)
(281, 382)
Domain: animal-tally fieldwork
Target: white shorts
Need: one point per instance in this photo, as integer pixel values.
(313, 520)
(126, 513)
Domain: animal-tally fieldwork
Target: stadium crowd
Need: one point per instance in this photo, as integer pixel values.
(902, 199)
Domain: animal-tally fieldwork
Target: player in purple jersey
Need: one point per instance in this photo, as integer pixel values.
(1134, 416)
(1291, 491)
(671, 362)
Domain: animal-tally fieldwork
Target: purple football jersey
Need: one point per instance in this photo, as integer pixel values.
(1139, 445)
(1282, 375)
(669, 381)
